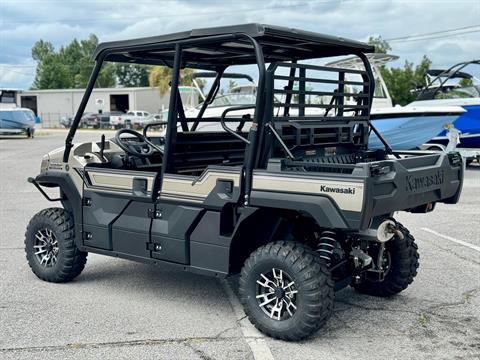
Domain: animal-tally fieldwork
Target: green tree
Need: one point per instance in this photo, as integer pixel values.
(52, 74)
(465, 82)
(381, 46)
(131, 75)
(401, 81)
(70, 67)
(231, 85)
(41, 49)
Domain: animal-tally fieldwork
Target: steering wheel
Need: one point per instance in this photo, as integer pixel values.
(141, 147)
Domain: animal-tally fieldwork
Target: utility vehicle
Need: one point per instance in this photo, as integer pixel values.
(298, 205)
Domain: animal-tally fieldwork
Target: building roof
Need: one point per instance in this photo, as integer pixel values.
(115, 90)
(210, 48)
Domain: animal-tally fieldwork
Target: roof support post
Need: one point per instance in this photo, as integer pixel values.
(172, 112)
(258, 122)
(288, 97)
(83, 105)
(371, 90)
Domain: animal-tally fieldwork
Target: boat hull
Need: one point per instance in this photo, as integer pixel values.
(408, 132)
(469, 126)
(468, 123)
(16, 121)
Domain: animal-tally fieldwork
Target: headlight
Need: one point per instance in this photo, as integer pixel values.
(44, 164)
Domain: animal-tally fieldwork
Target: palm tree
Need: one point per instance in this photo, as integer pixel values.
(161, 76)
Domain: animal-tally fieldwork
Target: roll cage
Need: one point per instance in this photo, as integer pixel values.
(215, 49)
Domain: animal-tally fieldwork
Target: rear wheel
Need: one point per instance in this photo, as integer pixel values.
(286, 290)
(400, 261)
(50, 246)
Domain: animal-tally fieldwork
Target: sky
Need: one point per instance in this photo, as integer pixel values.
(416, 27)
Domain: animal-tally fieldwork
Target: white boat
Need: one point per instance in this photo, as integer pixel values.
(404, 127)
(455, 86)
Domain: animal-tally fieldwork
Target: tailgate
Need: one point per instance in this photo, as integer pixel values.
(412, 182)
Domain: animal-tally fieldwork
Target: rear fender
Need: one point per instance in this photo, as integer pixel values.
(321, 208)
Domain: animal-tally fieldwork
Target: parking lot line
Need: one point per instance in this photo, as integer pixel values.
(460, 242)
(255, 339)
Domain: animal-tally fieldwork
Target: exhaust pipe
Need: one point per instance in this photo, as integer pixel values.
(388, 229)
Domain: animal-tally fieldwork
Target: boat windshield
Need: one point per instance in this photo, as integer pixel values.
(458, 92)
(454, 83)
(17, 116)
(232, 99)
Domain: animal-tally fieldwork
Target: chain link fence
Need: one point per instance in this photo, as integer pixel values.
(55, 120)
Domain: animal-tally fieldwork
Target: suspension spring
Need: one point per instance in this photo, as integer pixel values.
(326, 245)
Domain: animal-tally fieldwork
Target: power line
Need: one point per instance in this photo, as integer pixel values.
(432, 33)
(17, 66)
(437, 37)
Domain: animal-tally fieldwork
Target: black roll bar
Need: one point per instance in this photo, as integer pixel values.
(258, 124)
(288, 89)
(98, 65)
(172, 113)
(371, 90)
(227, 129)
(152, 124)
(210, 96)
(211, 74)
(82, 106)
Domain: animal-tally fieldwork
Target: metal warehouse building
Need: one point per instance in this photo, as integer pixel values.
(52, 105)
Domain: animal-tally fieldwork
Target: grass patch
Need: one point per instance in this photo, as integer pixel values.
(422, 320)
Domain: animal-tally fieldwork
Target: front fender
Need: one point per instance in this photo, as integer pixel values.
(71, 198)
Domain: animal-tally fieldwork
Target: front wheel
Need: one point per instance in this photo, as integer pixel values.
(286, 290)
(400, 259)
(50, 246)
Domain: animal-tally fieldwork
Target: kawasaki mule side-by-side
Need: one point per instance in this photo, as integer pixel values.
(289, 196)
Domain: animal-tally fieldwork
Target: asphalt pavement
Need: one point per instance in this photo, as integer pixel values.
(117, 309)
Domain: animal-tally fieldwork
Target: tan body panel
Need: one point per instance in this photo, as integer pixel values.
(347, 194)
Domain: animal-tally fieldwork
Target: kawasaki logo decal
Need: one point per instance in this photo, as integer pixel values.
(338, 190)
(418, 183)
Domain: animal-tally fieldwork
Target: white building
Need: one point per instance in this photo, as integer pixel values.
(52, 105)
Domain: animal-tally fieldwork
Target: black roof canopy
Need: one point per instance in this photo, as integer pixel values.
(211, 48)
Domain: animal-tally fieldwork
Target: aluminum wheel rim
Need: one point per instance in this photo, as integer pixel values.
(46, 247)
(386, 262)
(276, 294)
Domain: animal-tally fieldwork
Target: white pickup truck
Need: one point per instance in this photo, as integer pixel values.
(133, 118)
